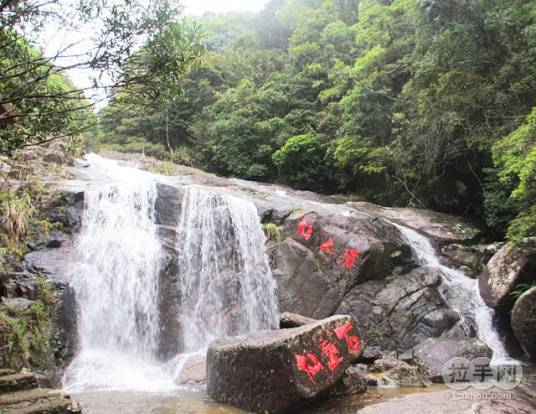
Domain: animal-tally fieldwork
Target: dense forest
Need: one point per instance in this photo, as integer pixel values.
(420, 103)
(406, 102)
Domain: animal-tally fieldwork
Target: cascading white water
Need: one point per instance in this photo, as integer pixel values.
(115, 280)
(227, 286)
(460, 292)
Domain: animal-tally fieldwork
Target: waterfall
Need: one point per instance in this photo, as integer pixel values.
(226, 284)
(460, 292)
(115, 280)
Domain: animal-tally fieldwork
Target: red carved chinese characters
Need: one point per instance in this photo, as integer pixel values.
(351, 341)
(310, 364)
(328, 247)
(332, 353)
(349, 257)
(305, 230)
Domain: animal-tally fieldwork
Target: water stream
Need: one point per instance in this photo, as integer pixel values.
(115, 280)
(460, 292)
(226, 285)
(225, 282)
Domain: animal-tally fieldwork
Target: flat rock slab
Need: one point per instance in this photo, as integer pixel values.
(281, 371)
(16, 382)
(440, 228)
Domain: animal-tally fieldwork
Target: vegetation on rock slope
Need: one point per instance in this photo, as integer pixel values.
(420, 102)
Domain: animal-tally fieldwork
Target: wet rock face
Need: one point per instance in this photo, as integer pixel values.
(68, 210)
(167, 215)
(432, 354)
(398, 313)
(313, 278)
(281, 371)
(510, 267)
(524, 322)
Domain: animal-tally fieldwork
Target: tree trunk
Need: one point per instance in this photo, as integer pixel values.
(167, 133)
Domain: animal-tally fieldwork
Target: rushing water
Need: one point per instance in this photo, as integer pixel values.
(460, 292)
(226, 284)
(115, 279)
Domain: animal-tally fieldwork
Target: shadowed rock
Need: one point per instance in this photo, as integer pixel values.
(293, 320)
(524, 322)
(399, 313)
(281, 371)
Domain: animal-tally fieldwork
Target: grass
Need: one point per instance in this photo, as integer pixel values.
(274, 232)
(522, 288)
(17, 209)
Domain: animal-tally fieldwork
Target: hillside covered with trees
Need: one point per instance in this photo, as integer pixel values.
(403, 102)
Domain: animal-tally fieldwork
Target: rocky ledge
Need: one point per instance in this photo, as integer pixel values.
(19, 394)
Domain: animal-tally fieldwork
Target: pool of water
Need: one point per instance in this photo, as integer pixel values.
(186, 402)
(196, 402)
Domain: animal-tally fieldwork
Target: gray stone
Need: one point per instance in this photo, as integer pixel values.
(352, 382)
(512, 266)
(440, 228)
(52, 240)
(400, 313)
(293, 320)
(194, 371)
(469, 258)
(168, 205)
(266, 371)
(524, 322)
(313, 282)
(17, 306)
(432, 354)
(400, 373)
(68, 210)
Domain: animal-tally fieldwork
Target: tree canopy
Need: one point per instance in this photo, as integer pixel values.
(423, 103)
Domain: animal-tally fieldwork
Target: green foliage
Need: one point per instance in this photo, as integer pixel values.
(522, 288)
(301, 162)
(515, 158)
(26, 338)
(404, 102)
(274, 232)
(16, 210)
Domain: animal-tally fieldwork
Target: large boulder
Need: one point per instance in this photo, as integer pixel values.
(440, 228)
(313, 278)
(512, 266)
(524, 322)
(400, 312)
(432, 354)
(281, 371)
